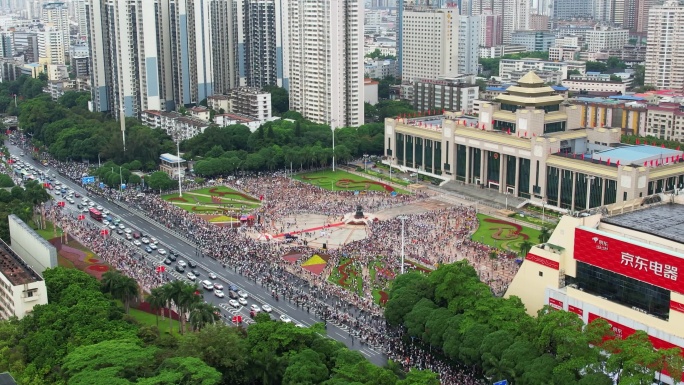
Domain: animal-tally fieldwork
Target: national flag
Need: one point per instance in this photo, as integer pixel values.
(492, 121)
(651, 162)
(104, 232)
(637, 141)
(646, 164)
(81, 217)
(582, 156)
(509, 131)
(662, 145)
(526, 134)
(60, 204)
(160, 269)
(608, 161)
(600, 159)
(443, 111)
(617, 163)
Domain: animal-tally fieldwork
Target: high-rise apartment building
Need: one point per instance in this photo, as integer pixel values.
(603, 10)
(468, 48)
(430, 43)
(125, 61)
(326, 60)
(228, 44)
(480, 7)
(515, 18)
(260, 48)
(665, 49)
(6, 44)
(51, 46)
(81, 19)
(490, 29)
(564, 9)
(190, 41)
(643, 7)
(57, 15)
(602, 38)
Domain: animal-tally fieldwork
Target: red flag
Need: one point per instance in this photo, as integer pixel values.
(160, 269)
(443, 111)
(582, 156)
(651, 162)
(645, 163)
(618, 162)
(677, 148)
(509, 131)
(533, 134)
(608, 161)
(637, 141)
(81, 217)
(662, 145)
(492, 121)
(526, 134)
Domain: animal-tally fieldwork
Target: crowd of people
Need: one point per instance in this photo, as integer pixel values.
(434, 237)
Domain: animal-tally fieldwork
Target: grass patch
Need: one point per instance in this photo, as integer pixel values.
(48, 232)
(344, 181)
(225, 201)
(387, 178)
(532, 220)
(503, 234)
(148, 319)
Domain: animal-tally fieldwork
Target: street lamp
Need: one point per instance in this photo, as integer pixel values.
(403, 219)
(332, 127)
(180, 192)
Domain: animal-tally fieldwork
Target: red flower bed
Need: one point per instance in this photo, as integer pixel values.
(215, 190)
(384, 297)
(517, 227)
(343, 272)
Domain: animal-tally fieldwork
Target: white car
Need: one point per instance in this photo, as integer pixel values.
(136, 242)
(145, 240)
(242, 301)
(255, 308)
(153, 247)
(121, 226)
(242, 294)
(161, 252)
(127, 231)
(219, 293)
(267, 308)
(218, 286)
(212, 275)
(84, 210)
(182, 264)
(191, 276)
(105, 212)
(300, 326)
(91, 204)
(113, 227)
(129, 237)
(99, 208)
(105, 222)
(232, 302)
(285, 319)
(57, 192)
(154, 241)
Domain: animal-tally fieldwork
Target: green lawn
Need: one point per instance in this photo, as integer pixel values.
(148, 319)
(503, 235)
(230, 200)
(344, 181)
(48, 232)
(533, 220)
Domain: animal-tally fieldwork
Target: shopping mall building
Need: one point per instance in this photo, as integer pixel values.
(531, 143)
(622, 268)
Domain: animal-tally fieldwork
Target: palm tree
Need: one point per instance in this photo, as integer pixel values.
(525, 247)
(157, 301)
(120, 287)
(202, 314)
(110, 281)
(268, 368)
(128, 290)
(187, 299)
(544, 234)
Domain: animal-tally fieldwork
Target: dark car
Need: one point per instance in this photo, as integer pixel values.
(194, 271)
(136, 235)
(232, 294)
(173, 252)
(119, 231)
(233, 287)
(180, 269)
(171, 257)
(168, 261)
(192, 263)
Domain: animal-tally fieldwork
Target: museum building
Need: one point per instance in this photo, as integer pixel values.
(531, 143)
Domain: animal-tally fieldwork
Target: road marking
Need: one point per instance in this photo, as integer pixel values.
(364, 353)
(343, 336)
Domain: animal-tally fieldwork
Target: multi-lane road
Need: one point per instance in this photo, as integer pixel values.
(258, 294)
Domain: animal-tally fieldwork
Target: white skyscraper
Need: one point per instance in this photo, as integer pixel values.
(326, 60)
(81, 19)
(226, 38)
(124, 56)
(51, 46)
(57, 15)
(438, 43)
(516, 17)
(665, 50)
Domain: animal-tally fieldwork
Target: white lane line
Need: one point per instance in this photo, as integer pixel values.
(365, 354)
(343, 336)
(291, 307)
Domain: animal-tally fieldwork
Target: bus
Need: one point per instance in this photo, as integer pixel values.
(96, 215)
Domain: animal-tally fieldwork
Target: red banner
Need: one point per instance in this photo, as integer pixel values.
(676, 306)
(577, 310)
(659, 268)
(556, 304)
(542, 261)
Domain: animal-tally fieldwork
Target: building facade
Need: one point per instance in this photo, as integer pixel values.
(56, 14)
(666, 121)
(247, 101)
(491, 29)
(534, 40)
(178, 126)
(21, 288)
(606, 38)
(529, 142)
(227, 50)
(51, 46)
(444, 94)
(623, 269)
(507, 66)
(515, 18)
(665, 47)
(264, 36)
(326, 60)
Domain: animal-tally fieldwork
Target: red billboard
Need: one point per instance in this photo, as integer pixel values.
(556, 304)
(577, 310)
(659, 268)
(542, 261)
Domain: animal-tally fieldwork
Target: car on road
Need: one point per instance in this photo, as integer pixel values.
(192, 263)
(207, 285)
(99, 208)
(219, 293)
(182, 263)
(168, 261)
(285, 319)
(145, 241)
(171, 257)
(129, 237)
(77, 195)
(121, 226)
(255, 308)
(242, 294)
(233, 287)
(153, 246)
(233, 294)
(161, 252)
(119, 231)
(57, 192)
(180, 269)
(84, 210)
(154, 240)
(148, 250)
(137, 242)
(212, 275)
(191, 276)
(267, 308)
(127, 231)
(105, 212)
(218, 286)
(173, 252)
(242, 301)
(196, 272)
(91, 204)
(233, 303)
(112, 227)
(300, 326)
(105, 222)
(136, 234)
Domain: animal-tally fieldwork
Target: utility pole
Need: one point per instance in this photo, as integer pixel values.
(403, 240)
(180, 192)
(332, 127)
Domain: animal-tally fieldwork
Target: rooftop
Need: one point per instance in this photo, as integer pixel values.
(636, 153)
(665, 221)
(14, 268)
(170, 158)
